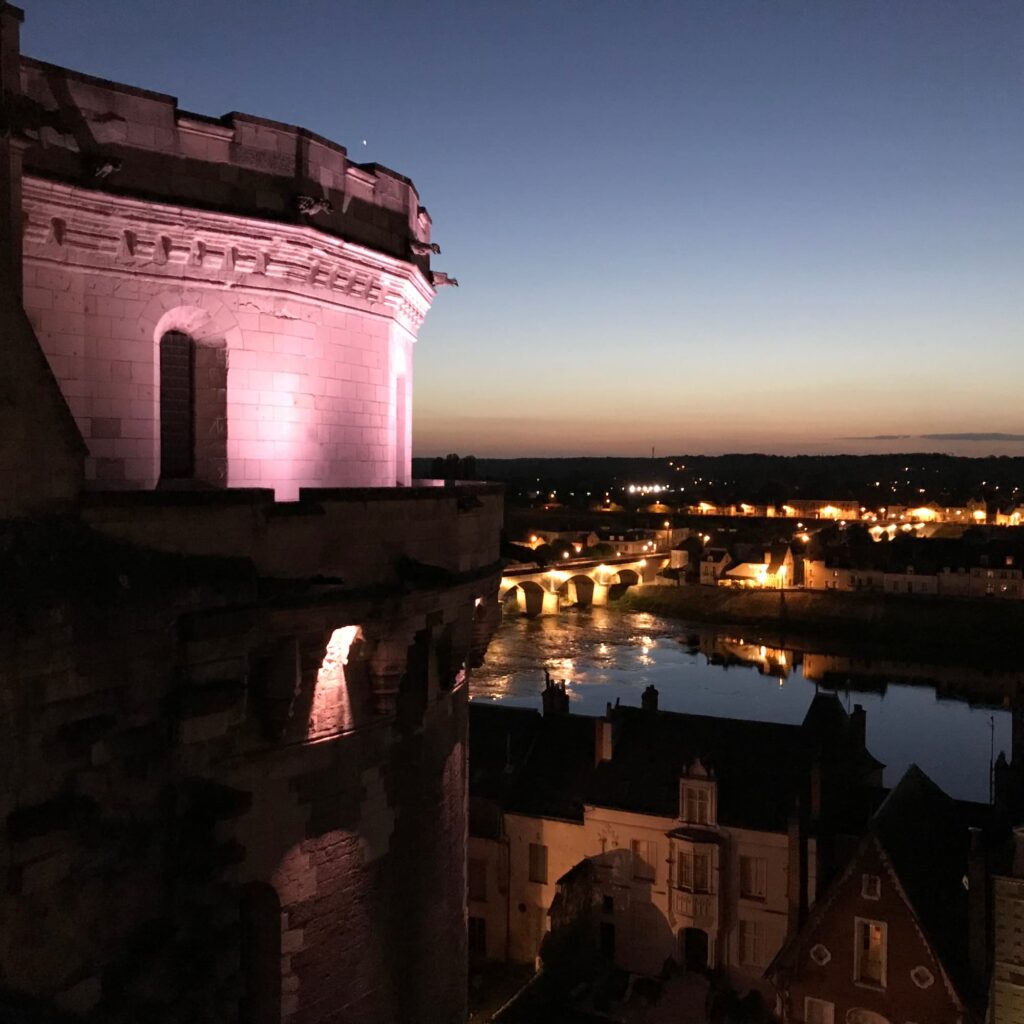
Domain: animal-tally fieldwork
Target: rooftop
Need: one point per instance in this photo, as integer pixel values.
(759, 766)
(98, 134)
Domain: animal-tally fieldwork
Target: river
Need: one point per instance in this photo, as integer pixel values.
(606, 655)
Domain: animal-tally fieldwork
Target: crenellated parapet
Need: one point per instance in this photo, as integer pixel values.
(115, 137)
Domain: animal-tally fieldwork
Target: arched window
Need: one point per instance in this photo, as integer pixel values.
(177, 406)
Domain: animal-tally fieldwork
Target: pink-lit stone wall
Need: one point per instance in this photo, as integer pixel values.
(302, 340)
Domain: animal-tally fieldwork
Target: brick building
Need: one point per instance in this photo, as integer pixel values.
(233, 653)
(901, 935)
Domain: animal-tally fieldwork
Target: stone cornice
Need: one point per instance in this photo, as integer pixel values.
(102, 230)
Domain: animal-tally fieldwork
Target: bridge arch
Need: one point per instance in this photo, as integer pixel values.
(528, 597)
(573, 584)
(578, 590)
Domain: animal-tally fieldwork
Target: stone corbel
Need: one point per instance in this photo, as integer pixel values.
(126, 247)
(388, 665)
(161, 250)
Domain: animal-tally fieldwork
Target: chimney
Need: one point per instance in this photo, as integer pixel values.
(977, 906)
(649, 699)
(796, 871)
(815, 783)
(604, 734)
(1017, 733)
(603, 745)
(554, 698)
(859, 726)
(1018, 852)
(1002, 781)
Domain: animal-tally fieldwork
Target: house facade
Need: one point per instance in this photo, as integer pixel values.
(900, 934)
(1007, 994)
(690, 858)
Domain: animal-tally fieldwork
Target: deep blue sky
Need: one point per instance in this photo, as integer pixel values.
(706, 226)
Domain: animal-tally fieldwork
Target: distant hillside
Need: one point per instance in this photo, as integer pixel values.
(875, 479)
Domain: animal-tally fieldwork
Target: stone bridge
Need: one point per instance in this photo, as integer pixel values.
(580, 582)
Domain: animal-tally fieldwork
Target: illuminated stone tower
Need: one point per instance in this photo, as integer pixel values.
(234, 634)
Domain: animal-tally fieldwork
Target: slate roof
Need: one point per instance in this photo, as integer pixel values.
(760, 767)
(925, 835)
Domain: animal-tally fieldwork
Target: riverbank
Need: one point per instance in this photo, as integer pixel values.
(962, 630)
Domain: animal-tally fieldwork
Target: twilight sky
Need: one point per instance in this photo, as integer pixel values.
(705, 226)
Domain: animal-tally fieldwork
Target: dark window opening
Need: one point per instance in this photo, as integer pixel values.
(477, 938)
(606, 940)
(538, 863)
(260, 954)
(177, 406)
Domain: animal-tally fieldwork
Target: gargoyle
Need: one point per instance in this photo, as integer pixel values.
(104, 167)
(440, 280)
(311, 205)
(424, 248)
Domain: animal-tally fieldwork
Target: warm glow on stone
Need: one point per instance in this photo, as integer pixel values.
(332, 711)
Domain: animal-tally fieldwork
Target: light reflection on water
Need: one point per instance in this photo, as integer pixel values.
(607, 655)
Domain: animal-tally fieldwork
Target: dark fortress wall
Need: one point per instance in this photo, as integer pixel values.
(173, 847)
(372, 899)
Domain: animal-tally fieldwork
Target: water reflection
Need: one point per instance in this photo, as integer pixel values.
(945, 718)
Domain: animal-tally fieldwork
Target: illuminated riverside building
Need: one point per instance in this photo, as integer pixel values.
(698, 839)
(997, 578)
(235, 637)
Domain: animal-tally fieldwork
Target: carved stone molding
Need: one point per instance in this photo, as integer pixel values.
(100, 230)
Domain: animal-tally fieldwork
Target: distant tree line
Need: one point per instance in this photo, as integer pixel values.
(453, 467)
(875, 480)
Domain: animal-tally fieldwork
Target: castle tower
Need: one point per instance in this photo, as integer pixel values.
(234, 634)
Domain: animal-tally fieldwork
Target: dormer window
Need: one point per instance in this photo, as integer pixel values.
(697, 803)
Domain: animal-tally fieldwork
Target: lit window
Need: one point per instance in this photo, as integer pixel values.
(538, 863)
(753, 877)
(644, 864)
(476, 870)
(752, 943)
(870, 887)
(818, 1011)
(869, 952)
